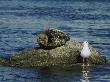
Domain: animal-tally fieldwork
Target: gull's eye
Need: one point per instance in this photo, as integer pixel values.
(86, 42)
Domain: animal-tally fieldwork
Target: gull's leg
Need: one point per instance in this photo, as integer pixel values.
(83, 62)
(88, 62)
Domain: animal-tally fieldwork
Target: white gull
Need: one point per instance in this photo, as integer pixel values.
(85, 52)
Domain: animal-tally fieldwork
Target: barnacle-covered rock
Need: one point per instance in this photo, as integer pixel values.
(52, 38)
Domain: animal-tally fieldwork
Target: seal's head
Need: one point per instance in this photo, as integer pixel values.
(42, 39)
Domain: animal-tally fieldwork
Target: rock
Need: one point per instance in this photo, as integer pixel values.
(68, 54)
(4, 61)
(52, 38)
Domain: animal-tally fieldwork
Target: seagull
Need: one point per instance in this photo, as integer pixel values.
(85, 52)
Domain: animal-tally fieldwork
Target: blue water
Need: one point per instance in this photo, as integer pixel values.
(22, 20)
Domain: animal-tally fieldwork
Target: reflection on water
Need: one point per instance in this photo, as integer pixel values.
(85, 74)
(56, 74)
(11, 74)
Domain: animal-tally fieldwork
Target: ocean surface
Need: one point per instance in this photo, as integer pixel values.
(22, 20)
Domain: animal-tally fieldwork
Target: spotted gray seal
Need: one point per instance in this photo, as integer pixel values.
(52, 38)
